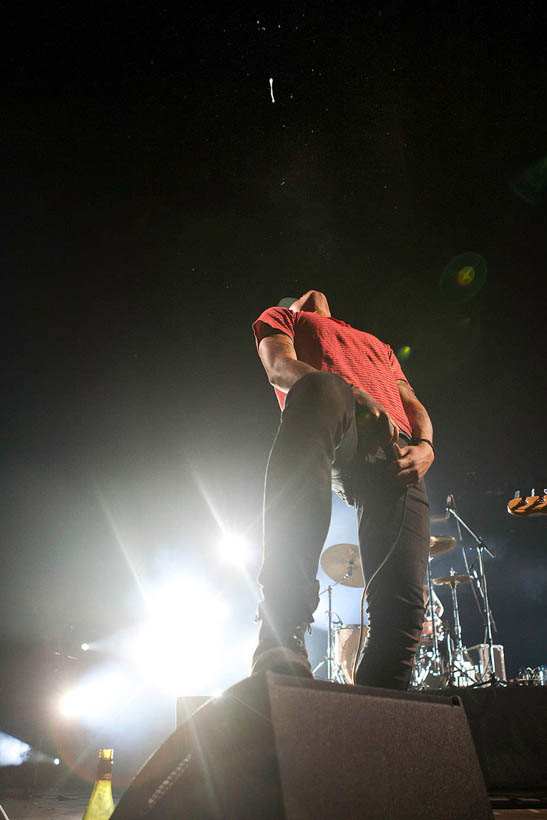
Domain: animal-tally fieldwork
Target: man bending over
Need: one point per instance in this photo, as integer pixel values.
(352, 423)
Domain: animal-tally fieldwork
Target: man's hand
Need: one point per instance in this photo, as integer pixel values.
(412, 463)
(375, 425)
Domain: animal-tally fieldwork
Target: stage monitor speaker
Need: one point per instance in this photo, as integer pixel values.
(275, 747)
(186, 706)
(509, 728)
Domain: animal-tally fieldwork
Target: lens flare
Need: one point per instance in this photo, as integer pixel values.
(531, 183)
(234, 549)
(403, 354)
(465, 275)
(464, 322)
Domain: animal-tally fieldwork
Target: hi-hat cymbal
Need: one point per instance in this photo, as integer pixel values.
(440, 543)
(342, 563)
(451, 580)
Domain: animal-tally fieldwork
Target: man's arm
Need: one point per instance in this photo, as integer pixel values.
(415, 411)
(284, 369)
(281, 364)
(414, 461)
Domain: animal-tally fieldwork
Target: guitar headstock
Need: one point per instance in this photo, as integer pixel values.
(529, 505)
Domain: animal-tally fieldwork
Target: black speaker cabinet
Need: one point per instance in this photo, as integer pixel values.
(280, 747)
(509, 729)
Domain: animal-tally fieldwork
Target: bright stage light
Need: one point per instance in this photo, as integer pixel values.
(77, 702)
(56, 761)
(179, 648)
(92, 699)
(183, 599)
(13, 751)
(234, 549)
(178, 664)
(68, 705)
(84, 647)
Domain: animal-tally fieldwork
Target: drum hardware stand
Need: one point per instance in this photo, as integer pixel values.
(480, 583)
(342, 563)
(450, 654)
(455, 654)
(436, 653)
(329, 657)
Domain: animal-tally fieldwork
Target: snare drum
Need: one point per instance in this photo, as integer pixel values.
(427, 631)
(346, 643)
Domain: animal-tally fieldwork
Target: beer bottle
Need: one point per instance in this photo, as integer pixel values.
(101, 805)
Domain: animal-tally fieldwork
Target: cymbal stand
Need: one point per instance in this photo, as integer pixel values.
(436, 653)
(328, 659)
(456, 655)
(456, 612)
(480, 583)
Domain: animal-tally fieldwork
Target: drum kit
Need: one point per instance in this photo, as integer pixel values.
(442, 658)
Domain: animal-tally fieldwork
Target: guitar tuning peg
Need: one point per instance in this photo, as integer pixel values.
(533, 491)
(517, 494)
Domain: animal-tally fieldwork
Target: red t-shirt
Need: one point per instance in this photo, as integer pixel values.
(332, 345)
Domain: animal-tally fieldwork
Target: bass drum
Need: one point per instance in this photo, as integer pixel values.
(346, 643)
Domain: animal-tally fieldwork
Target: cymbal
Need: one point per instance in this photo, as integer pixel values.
(438, 544)
(342, 563)
(451, 580)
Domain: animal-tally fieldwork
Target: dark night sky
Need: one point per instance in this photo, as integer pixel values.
(155, 201)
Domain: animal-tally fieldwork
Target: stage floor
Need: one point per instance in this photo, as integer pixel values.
(49, 807)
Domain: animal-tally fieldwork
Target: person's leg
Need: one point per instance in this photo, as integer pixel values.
(391, 516)
(318, 413)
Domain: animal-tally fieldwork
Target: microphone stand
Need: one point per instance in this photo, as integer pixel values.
(480, 582)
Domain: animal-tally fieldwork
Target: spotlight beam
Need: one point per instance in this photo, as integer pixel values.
(119, 540)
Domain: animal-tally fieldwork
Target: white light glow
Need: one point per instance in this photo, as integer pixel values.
(74, 703)
(234, 549)
(184, 598)
(56, 761)
(179, 648)
(91, 700)
(13, 751)
(84, 647)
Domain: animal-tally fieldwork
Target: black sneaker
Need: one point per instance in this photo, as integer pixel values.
(285, 655)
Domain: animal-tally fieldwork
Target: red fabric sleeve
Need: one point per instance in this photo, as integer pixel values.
(396, 368)
(274, 320)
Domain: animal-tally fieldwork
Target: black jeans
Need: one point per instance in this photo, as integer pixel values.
(318, 448)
